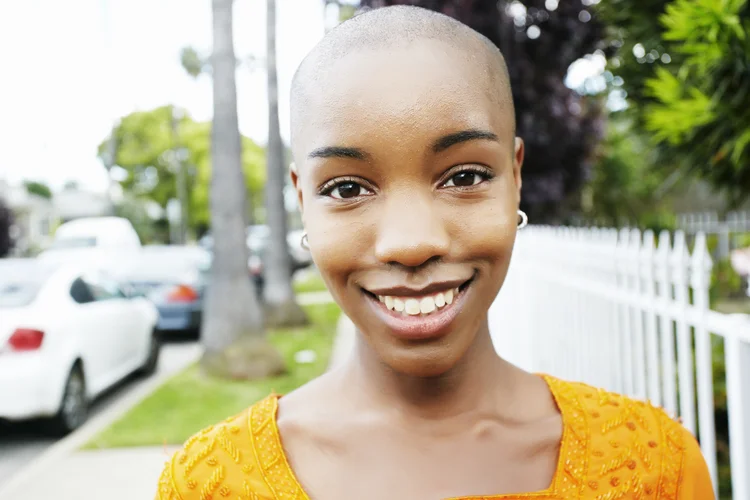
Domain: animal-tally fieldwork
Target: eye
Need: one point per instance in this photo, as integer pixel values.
(467, 178)
(346, 190)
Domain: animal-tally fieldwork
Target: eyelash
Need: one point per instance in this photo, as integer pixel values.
(485, 173)
(327, 188)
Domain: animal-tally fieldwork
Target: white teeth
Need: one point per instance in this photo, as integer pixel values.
(414, 306)
(426, 305)
(389, 302)
(440, 300)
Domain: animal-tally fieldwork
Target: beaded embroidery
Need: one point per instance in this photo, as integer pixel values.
(612, 448)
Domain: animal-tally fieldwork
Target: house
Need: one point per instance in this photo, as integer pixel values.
(37, 217)
(34, 218)
(75, 203)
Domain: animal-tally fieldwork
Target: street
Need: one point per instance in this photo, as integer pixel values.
(21, 443)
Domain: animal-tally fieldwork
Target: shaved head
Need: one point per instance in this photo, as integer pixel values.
(391, 28)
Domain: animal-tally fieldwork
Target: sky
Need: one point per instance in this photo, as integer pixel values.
(70, 69)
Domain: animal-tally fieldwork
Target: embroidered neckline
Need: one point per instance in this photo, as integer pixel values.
(567, 481)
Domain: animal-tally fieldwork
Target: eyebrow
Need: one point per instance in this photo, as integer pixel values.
(438, 146)
(449, 140)
(339, 152)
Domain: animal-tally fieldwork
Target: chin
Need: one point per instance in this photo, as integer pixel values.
(423, 361)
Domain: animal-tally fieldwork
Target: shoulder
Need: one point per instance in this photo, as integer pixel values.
(224, 460)
(628, 445)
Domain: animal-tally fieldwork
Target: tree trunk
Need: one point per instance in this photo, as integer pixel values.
(282, 309)
(233, 333)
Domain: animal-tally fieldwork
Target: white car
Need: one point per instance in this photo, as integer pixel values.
(96, 232)
(67, 333)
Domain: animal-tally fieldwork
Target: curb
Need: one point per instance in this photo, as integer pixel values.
(69, 444)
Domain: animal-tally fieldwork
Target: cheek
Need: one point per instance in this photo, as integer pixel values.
(337, 242)
(485, 231)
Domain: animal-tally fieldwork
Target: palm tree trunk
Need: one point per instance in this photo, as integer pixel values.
(233, 332)
(282, 309)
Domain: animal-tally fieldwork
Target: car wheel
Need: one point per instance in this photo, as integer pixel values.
(152, 361)
(74, 407)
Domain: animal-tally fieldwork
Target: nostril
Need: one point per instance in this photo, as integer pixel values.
(411, 267)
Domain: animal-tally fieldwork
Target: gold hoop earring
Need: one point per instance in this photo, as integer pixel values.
(304, 242)
(523, 219)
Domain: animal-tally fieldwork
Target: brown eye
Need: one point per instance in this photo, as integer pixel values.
(347, 190)
(467, 178)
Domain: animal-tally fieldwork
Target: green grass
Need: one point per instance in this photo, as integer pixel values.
(312, 282)
(191, 401)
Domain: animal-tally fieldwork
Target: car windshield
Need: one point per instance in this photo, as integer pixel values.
(80, 242)
(21, 280)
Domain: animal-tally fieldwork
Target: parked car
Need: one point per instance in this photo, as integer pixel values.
(174, 278)
(67, 333)
(300, 256)
(257, 242)
(96, 232)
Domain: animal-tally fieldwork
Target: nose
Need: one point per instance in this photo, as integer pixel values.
(411, 232)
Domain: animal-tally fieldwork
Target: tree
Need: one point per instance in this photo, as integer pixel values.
(6, 223)
(281, 306)
(540, 40)
(195, 65)
(135, 210)
(145, 144)
(38, 188)
(624, 188)
(701, 106)
(684, 66)
(233, 332)
(634, 36)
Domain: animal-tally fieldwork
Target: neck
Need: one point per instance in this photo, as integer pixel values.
(477, 381)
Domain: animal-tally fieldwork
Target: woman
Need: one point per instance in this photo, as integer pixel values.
(409, 176)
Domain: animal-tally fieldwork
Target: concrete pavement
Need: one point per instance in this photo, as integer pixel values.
(66, 473)
(129, 473)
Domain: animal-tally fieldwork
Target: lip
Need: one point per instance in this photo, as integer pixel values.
(405, 291)
(431, 326)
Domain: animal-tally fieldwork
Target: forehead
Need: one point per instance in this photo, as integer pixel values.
(402, 94)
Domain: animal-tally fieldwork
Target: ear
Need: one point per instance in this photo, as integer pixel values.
(297, 187)
(518, 163)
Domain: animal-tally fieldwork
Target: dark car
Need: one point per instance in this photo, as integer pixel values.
(257, 245)
(174, 278)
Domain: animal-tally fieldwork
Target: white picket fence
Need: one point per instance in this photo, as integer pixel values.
(619, 311)
(726, 229)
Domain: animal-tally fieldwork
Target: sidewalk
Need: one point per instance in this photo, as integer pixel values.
(116, 474)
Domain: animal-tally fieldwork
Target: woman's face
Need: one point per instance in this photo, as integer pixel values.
(408, 176)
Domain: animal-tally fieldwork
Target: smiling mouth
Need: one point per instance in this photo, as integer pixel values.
(420, 316)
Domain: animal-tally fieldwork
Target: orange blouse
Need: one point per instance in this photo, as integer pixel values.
(612, 448)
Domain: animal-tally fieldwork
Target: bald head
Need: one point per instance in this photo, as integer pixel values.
(397, 27)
